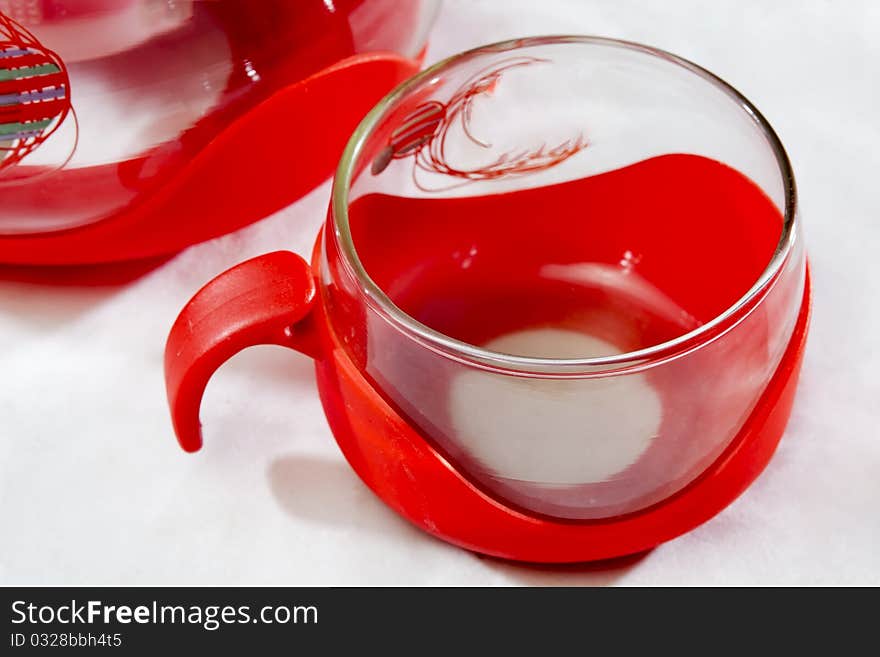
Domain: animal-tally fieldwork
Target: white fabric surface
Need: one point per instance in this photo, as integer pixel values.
(94, 489)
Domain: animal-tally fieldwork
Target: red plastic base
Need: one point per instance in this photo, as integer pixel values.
(415, 480)
(230, 184)
(272, 299)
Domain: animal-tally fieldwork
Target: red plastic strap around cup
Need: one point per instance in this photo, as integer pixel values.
(406, 471)
(270, 299)
(257, 302)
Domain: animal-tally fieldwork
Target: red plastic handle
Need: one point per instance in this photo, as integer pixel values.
(266, 300)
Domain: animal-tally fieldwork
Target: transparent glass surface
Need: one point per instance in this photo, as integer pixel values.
(572, 263)
(101, 101)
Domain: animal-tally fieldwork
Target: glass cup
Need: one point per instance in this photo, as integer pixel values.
(569, 269)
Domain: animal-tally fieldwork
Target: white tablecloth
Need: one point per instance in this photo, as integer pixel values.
(94, 489)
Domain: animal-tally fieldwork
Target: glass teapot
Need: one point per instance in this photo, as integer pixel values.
(132, 128)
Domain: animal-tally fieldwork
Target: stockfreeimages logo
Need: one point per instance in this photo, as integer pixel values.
(210, 617)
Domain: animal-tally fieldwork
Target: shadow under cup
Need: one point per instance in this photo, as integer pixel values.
(571, 263)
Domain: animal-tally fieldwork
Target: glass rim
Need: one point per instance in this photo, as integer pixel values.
(529, 365)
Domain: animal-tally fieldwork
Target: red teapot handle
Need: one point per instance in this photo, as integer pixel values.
(265, 300)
